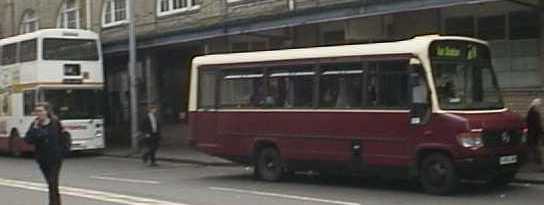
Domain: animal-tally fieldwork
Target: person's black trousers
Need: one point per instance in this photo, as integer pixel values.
(151, 152)
(51, 172)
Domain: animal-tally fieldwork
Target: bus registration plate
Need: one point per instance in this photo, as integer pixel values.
(508, 160)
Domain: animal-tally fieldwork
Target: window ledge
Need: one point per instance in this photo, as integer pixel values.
(178, 11)
(114, 24)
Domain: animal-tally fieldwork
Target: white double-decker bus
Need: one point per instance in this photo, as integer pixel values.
(62, 67)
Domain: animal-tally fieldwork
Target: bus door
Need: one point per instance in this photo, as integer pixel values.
(420, 111)
(205, 131)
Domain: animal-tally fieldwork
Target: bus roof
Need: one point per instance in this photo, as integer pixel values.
(52, 33)
(417, 46)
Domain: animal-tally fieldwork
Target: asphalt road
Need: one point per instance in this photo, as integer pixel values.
(92, 180)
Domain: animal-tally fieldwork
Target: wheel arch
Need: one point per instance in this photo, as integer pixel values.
(260, 144)
(426, 151)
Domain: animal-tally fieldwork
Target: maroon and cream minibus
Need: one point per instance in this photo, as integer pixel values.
(427, 108)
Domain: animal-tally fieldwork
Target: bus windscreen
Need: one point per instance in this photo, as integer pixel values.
(464, 76)
(76, 103)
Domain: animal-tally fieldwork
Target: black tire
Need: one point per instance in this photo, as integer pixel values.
(503, 179)
(269, 165)
(438, 175)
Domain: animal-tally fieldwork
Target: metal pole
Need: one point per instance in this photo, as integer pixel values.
(88, 11)
(132, 76)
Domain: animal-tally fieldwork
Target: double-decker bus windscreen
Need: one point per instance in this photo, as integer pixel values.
(464, 76)
(75, 103)
(70, 49)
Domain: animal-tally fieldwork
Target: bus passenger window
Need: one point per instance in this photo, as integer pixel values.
(291, 88)
(242, 89)
(388, 86)
(341, 86)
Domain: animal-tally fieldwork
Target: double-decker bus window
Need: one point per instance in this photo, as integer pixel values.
(9, 54)
(6, 108)
(207, 86)
(291, 88)
(70, 49)
(341, 85)
(29, 97)
(28, 51)
(242, 89)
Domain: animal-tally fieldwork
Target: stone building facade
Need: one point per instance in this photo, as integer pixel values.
(171, 32)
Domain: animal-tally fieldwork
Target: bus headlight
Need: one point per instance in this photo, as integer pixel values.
(471, 140)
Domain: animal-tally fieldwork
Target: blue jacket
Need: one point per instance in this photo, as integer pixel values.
(47, 140)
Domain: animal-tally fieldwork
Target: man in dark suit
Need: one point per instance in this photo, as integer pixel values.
(150, 127)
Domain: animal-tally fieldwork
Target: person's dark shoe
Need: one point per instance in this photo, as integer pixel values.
(153, 165)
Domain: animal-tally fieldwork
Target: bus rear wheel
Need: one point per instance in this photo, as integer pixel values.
(269, 166)
(438, 175)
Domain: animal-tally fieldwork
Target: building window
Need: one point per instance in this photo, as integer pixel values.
(114, 13)
(168, 7)
(524, 25)
(69, 15)
(29, 22)
(492, 27)
(462, 26)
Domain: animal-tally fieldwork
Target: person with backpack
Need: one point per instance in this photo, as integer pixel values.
(50, 141)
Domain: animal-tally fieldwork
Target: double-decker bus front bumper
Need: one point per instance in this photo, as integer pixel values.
(488, 164)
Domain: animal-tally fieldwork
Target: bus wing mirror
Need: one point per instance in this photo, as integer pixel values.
(420, 113)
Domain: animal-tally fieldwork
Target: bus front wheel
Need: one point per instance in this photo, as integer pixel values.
(269, 166)
(438, 175)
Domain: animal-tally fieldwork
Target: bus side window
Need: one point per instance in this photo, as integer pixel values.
(387, 86)
(28, 50)
(242, 88)
(29, 100)
(292, 88)
(9, 54)
(340, 85)
(5, 104)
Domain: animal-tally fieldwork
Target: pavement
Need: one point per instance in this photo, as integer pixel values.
(179, 154)
(530, 173)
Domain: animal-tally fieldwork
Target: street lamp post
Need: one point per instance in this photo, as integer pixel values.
(132, 76)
